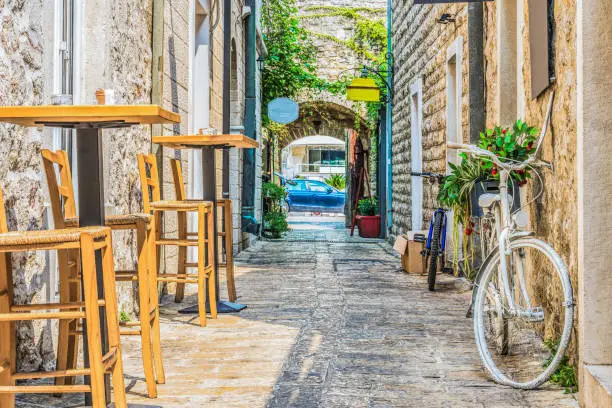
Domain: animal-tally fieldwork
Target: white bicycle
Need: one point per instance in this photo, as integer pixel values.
(523, 301)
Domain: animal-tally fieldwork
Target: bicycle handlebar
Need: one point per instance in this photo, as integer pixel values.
(531, 161)
(427, 174)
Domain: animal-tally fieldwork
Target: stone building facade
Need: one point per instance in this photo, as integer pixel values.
(573, 212)
(112, 46)
(428, 56)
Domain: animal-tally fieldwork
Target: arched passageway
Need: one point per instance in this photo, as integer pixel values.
(324, 120)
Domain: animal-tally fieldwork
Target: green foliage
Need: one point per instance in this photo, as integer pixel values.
(273, 192)
(513, 144)
(275, 220)
(565, 375)
(337, 181)
(276, 223)
(291, 64)
(367, 206)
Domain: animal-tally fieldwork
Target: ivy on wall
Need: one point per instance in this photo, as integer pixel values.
(292, 63)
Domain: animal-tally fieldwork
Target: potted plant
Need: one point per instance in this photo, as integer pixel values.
(275, 219)
(368, 218)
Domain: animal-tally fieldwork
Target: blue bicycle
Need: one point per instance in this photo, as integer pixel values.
(436, 238)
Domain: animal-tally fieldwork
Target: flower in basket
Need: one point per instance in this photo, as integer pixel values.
(510, 144)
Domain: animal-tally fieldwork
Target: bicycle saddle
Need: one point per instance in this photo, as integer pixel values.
(486, 200)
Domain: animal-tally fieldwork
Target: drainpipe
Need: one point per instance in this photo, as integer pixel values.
(388, 112)
(476, 71)
(249, 223)
(227, 60)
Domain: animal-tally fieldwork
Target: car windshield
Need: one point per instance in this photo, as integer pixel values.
(318, 186)
(297, 185)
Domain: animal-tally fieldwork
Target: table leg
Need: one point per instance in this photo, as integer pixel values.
(91, 212)
(209, 185)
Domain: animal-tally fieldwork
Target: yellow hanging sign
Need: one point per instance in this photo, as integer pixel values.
(363, 89)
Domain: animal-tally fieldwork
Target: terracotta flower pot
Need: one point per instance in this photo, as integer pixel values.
(369, 226)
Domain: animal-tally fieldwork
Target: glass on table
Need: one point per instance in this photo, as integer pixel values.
(208, 131)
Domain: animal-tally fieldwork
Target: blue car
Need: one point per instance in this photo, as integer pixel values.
(313, 195)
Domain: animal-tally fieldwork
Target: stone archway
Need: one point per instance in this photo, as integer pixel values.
(339, 120)
(326, 118)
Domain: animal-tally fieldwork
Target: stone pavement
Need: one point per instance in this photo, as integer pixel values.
(331, 322)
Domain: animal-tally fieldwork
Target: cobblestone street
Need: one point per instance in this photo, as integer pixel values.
(331, 322)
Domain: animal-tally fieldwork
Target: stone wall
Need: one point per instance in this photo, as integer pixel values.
(420, 48)
(22, 81)
(554, 215)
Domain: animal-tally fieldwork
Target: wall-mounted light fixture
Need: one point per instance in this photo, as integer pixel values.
(447, 18)
(261, 62)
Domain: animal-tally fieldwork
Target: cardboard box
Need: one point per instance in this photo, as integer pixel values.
(411, 251)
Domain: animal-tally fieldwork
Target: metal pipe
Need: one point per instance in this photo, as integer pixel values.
(227, 77)
(250, 125)
(388, 124)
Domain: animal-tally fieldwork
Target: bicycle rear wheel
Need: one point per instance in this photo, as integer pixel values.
(523, 346)
(434, 251)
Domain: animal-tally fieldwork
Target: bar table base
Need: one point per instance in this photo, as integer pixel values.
(223, 306)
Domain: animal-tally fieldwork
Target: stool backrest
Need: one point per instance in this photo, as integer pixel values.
(61, 191)
(150, 182)
(177, 176)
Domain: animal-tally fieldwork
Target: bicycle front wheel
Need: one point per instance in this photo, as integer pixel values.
(523, 323)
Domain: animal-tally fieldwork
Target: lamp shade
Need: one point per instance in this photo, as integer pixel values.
(363, 89)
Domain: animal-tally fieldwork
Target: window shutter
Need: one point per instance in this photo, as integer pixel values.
(538, 46)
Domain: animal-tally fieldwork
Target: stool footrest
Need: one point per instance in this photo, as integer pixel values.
(52, 374)
(47, 306)
(11, 317)
(127, 275)
(133, 332)
(44, 389)
(178, 242)
(109, 359)
(173, 277)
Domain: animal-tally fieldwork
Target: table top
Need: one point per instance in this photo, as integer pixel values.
(193, 141)
(108, 116)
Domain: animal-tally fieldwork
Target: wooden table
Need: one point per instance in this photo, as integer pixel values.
(208, 144)
(89, 122)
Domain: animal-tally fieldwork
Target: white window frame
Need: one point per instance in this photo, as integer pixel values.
(416, 152)
(454, 96)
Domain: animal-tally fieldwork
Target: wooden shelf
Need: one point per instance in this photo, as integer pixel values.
(97, 115)
(193, 141)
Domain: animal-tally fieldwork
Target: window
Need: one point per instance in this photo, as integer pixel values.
(326, 157)
(454, 94)
(318, 186)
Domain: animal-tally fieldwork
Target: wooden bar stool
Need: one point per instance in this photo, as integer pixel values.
(84, 241)
(152, 202)
(225, 232)
(147, 327)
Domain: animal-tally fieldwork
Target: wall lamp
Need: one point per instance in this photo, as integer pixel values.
(261, 62)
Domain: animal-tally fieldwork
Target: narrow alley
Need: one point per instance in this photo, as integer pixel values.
(331, 322)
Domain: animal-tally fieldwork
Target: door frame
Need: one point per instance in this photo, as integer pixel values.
(416, 152)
